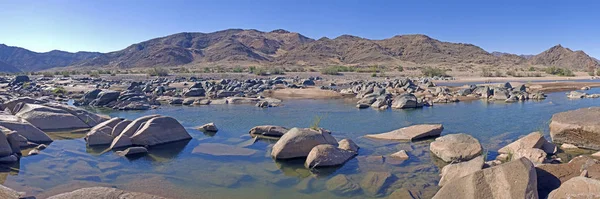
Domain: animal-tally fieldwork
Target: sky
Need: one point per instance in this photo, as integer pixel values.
(520, 27)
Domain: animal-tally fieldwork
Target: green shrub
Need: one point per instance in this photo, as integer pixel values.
(598, 72)
(156, 71)
(95, 74)
(553, 70)
(238, 69)
(400, 69)
(277, 71)
(336, 70)
(374, 75)
(531, 68)
(432, 72)
(59, 90)
(260, 71)
(48, 74)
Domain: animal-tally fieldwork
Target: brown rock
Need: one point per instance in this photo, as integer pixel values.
(579, 127)
(411, 133)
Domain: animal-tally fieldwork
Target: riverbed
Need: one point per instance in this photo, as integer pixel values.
(173, 170)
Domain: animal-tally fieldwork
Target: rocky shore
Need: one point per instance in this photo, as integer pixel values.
(526, 168)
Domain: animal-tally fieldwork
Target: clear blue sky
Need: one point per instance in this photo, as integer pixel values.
(522, 27)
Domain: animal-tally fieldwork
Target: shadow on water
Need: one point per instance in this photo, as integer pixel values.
(168, 151)
(67, 134)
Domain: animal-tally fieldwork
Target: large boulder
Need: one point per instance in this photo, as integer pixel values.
(551, 176)
(512, 180)
(406, 101)
(91, 119)
(47, 118)
(105, 97)
(534, 140)
(579, 127)
(577, 187)
(456, 147)
(325, 155)
(101, 133)
(120, 127)
(268, 130)
(135, 125)
(537, 156)
(160, 130)
(24, 128)
(19, 79)
(5, 146)
(458, 170)
(104, 193)
(11, 104)
(299, 142)
(194, 92)
(411, 133)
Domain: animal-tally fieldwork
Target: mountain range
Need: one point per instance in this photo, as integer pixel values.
(234, 47)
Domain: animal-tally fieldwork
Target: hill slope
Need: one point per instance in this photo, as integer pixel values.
(564, 57)
(26, 60)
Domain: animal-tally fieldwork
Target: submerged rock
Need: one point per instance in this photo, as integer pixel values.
(374, 183)
(299, 142)
(456, 147)
(579, 127)
(515, 179)
(222, 150)
(103, 192)
(411, 133)
(348, 144)
(341, 185)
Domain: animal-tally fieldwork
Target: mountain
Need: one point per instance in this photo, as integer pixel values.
(563, 57)
(235, 47)
(7, 68)
(26, 60)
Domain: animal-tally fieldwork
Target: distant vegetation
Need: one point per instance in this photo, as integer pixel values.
(336, 70)
(156, 71)
(433, 72)
(559, 71)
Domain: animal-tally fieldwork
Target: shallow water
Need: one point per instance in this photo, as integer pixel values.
(172, 170)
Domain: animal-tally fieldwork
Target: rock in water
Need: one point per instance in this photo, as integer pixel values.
(268, 130)
(348, 144)
(103, 192)
(374, 183)
(160, 130)
(101, 133)
(47, 118)
(579, 127)
(512, 180)
(299, 142)
(534, 140)
(577, 187)
(8, 193)
(458, 170)
(411, 133)
(132, 151)
(456, 147)
(325, 155)
(24, 128)
(341, 185)
(537, 156)
(210, 127)
(406, 101)
(5, 147)
(550, 176)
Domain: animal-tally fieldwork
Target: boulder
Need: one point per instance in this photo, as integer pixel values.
(456, 147)
(268, 130)
(47, 118)
(515, 179)
(459, 170)
(24, 128)
(132, 151)
(91, 119)
(576, 95)
(577, 187)
(16, 141)
(194, 92)
(578, 127)
(348, 144)
(210, 127)
(105, 97)
(135, 125)
(400, 155)
(104, 193)
(551, 176)
(501, 94)
(325, 155)
(8, 193)
(5, 146)
(341, 185)
(411, 133)
(120, 127)
(121, 141)
(406, 101)
(160, 130)
(11, 104)
(537, 156)
(101, 133)
(375, 183)
(299, 142)
(534, 140)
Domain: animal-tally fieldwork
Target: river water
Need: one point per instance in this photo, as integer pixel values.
(172, 170)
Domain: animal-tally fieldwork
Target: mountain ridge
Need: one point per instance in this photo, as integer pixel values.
(284, 48)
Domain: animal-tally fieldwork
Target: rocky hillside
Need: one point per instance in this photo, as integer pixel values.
(7, 68)
(26, 60)
(564, 57)
(234, 47)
